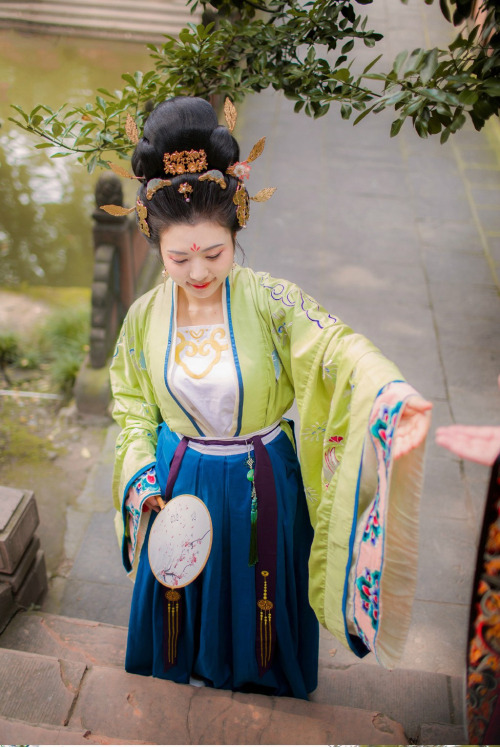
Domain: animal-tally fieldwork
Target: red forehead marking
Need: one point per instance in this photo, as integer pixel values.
(195, 248)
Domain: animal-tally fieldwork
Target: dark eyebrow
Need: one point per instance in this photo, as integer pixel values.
(202, 251)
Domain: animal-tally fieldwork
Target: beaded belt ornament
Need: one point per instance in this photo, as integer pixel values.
(193, 162)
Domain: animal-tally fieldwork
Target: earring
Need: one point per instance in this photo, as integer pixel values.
(164, 274)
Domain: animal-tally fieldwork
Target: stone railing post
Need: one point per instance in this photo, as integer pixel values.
(124, 267)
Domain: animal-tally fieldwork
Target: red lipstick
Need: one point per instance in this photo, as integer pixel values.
(200, 287)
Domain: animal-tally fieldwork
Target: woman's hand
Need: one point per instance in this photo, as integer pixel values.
(480, 443)
(413, 425)
(153, 503)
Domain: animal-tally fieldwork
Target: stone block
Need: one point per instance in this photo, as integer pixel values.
(15, 732)
(6, 604)
(18, 521)
(407, 696)
(38, 689)
(16, 578)
(442, 733)
(131, 707)
(92, 389)
(35, 584)
(66, 638)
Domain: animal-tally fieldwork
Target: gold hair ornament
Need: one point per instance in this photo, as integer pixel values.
(154, 185)
(241, 170)
(185, 189)
(185, 162)
(140, 208)
(142, 215)
(230, 114)
(131, 130)
(214, 175)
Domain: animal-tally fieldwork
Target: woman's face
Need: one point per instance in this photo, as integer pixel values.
(198, 258)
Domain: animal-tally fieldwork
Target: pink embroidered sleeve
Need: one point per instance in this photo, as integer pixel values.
(145, 486)
(387, 537)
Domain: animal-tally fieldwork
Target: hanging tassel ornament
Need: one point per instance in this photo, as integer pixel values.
(252, 555)
(172, 622)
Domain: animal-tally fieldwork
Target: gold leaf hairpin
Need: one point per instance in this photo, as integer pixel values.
(240, 199)
(264, 194)
(131, 130)
(230, 114)
(120, 171)
(117, 209)
(257, 150)
(142, 215)
(139, 207)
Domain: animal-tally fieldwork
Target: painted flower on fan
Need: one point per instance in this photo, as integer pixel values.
(240, 169)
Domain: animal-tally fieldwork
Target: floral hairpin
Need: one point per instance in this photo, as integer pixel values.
(185, 189)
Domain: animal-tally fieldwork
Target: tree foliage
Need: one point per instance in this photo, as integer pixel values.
(305, 50)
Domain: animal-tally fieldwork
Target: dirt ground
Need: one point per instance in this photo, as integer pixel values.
(45, 445)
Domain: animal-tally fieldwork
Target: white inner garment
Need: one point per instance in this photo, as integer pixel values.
(204, 376)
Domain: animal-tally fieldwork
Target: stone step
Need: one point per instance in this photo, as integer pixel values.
(148, 21)
(66, 638)
(95, 14)
(429, 706)
(45, 699)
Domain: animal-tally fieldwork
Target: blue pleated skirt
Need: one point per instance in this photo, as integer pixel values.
(217, 639)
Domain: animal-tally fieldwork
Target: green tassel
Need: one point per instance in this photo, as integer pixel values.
(252, 556)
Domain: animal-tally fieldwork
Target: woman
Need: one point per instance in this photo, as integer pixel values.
(205, 369)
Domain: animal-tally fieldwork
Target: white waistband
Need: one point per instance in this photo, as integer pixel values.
(236, 444)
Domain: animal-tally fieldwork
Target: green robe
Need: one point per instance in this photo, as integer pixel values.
(286, 346)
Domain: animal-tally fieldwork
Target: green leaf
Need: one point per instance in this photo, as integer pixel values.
(492, 87)
(430, 65)
(398, 62)
(345, 111)
(364, 114)
(21, 112)
(347, 47)
(468, 97)
(434, 125)
(371, 64)
(343, 74)
(436, 94)
(396, 126)
(40, 146)
(444, 136)
(445, 9)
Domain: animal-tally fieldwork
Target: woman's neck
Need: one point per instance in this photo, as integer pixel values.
(193, 312)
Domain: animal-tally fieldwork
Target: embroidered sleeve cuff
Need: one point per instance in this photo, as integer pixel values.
(142, 488)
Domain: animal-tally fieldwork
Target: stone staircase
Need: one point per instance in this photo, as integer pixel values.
(63, 682)
(126, 20)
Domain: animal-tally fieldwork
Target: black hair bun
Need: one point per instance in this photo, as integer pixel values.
(183, 123)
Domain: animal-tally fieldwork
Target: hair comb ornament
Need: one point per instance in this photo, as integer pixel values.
(154, 185)
(214, 175)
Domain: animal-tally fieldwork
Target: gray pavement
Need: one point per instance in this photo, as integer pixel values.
(401, 239)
